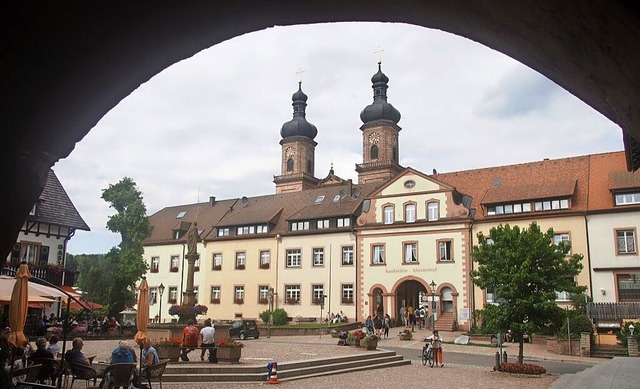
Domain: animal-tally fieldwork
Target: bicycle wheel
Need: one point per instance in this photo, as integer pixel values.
(430, 357)
(425, 353)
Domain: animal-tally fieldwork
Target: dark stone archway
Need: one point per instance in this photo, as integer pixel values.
(65, 65)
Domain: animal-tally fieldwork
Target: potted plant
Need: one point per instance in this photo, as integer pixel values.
(186, 311)
(358, 335)
(229, 350)
(406, 334)
(168, 348)
(371, 341)
(335, 333)
(351, 338)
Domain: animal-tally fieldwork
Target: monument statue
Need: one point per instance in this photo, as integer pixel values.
(192, 239)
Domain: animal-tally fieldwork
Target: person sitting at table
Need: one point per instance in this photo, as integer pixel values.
(54, 347)
(41, 350)
(76, 355)
(123, 353)
(149, 354)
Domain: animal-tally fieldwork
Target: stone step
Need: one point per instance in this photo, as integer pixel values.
(285, 370)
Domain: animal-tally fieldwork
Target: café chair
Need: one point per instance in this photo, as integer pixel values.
(155, 372)
(82, 372)
(118, 375)
(30, 372)
(49, 371)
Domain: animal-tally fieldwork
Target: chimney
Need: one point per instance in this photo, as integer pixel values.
(212, 200)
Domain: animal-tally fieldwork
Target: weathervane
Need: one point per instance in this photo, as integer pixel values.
(300, 73)
(379, 51)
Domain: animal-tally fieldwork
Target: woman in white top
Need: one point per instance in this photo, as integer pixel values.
(437, 347)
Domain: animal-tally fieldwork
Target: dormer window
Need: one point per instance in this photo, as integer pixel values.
(181, 214)
(319, 199)
(551, 205)
(628, 198)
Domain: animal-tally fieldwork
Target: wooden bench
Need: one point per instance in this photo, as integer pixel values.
(301, 319)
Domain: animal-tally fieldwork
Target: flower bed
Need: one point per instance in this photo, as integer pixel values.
(522, 368)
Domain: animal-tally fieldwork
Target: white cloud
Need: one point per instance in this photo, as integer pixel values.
(210, 125)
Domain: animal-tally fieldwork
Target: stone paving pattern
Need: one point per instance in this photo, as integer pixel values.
(293, 348)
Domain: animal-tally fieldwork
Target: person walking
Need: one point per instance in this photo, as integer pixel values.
(207, 338)
(437, 347)
(387, 325)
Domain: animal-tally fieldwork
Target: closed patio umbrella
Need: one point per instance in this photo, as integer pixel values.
(18, 306)
(142, 316)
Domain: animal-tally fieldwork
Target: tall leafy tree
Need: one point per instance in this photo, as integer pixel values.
(527, 268)
(133, 225)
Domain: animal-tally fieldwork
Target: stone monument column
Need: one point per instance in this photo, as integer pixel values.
(192, 256)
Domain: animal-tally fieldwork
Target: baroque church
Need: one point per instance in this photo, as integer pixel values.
(397, 237)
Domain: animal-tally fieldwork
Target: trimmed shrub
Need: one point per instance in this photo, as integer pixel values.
(522, 368)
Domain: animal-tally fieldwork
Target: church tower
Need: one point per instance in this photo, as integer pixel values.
(380, 141)
(298, 149)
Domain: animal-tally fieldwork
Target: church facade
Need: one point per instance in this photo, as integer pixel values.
(397, 237)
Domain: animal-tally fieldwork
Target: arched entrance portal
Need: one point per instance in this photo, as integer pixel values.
(408, 294)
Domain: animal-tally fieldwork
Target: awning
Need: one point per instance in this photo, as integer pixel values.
(37, 292)
(89, 305)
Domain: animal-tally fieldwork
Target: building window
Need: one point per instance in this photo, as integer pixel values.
(628, 198)
(263, 294)
(626, 241)
(292, 294)
(299, 226)
(195, 295)
(289, 165)
(551, 205)
(377, 252)
(318, 293)
(347, 255)
(411, 252)
(175, 263)
(217, 261)
(629, 287)
(153, 295)
(409, 213)
(215, 295)
(265, 259)
(388, 214)
(318, 256)
(262, 229)
(155, 264)
(322, 224)
(245, 230)
(173, 294)
(223, 231)
(196, 265)
(241, 258)
(374, 152)
(238, 295)
(445, 252)
(491, 295)
(509, 208)
(28, 252)
(561, 239)
(433, 211)
(294, 258)
(344, 222)
(347, 293)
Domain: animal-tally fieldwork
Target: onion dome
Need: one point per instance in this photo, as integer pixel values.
(299, 126)
(380, 109)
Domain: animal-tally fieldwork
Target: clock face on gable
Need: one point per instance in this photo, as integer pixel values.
(374, 138)
(289, 152)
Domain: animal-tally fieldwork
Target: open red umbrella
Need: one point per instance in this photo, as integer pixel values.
(19, 305)
(142, 315)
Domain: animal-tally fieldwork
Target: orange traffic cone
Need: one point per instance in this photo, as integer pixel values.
(273, 377)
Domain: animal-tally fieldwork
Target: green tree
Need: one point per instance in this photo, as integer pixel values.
(126, 260)
(527, 268)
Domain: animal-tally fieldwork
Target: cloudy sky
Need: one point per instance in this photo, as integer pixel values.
(210, 125)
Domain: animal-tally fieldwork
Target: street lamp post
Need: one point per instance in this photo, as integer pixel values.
(271, 295)
(161, 291)
(433, 304)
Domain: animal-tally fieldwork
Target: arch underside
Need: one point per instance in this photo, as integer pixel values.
(64, 66)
